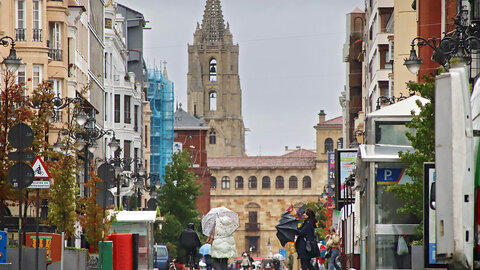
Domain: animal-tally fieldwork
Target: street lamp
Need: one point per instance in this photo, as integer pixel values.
(458, 44)
(12, 62)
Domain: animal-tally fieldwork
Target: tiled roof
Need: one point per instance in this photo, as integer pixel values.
(338, 121)
(271, 162)
(300, 153)
(184, 120)
(357, 10)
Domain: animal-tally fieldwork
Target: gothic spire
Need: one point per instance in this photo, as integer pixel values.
(213, 26)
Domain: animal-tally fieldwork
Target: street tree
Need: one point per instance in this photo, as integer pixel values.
(177, 200)
(91, 215)
(423, 142)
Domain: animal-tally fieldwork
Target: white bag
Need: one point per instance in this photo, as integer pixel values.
(402, 248)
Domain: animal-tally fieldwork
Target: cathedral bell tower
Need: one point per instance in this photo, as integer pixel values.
(213, 84)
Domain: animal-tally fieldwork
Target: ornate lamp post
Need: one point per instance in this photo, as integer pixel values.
(459, 44)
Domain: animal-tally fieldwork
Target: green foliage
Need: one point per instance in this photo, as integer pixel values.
(177, 201)
(423, 142)
(133, 202)
(320, 215)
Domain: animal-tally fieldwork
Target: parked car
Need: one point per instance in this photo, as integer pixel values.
(267, 264)
(160, 257)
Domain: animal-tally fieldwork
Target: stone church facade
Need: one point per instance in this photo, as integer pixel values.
(258, 188)
(213, 84)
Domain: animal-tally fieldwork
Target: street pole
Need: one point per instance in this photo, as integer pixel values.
(36, 229)
(118, 192)
(20, 228)
(85, 171)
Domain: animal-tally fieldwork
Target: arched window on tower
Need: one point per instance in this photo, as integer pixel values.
(212, 136)
(328, 145)
(212, 68)
(213, 100)
(340, 143)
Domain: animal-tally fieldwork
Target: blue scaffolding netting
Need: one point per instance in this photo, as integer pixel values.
(160, 95)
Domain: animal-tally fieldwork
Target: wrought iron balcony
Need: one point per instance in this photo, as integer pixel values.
(20, 34)
(252, 227)
(55, 54)
(37, 35)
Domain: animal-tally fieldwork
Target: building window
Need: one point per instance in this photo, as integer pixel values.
(127, 104)
(307, 182)
(20, 26)
(293, 182)
(127, 145)
(55, 42)
(37, 20)
(252, 182)
(105, 66)
(21, 75)
(117, 108)
(213, 182)
(266, 182)
(212, 137)
(213, 101)
(239, 182)
(37, 75)
(213, 70)
(340, 143)
(279, 182)
(328, 145)
(225, 182)
(252, 244)
(146, 136)
(135, 117)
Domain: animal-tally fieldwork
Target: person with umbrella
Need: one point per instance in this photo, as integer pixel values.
(221, 222)
(190, 242)
(306, 236)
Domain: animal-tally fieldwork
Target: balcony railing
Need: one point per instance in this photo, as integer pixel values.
(55, 54)
(20, 34)
(37, 35)
(252, 227)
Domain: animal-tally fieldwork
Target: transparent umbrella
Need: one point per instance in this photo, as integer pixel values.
(210, 219)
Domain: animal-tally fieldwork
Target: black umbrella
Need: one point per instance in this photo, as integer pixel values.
(287, 228)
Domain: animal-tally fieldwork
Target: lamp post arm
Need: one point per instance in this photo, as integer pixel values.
(4, 41)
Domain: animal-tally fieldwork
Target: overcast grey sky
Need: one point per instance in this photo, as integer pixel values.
(290, 60)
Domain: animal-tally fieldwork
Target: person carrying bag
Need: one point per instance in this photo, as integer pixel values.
(333, 249)
(306, 244)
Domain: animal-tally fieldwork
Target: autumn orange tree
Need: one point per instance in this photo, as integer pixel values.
(92, 216)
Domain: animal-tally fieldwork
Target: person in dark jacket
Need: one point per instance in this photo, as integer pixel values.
(307, 233)
(190, 242)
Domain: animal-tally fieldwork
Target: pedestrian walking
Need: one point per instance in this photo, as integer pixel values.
(223, 245)
(333, 244)
(246, 264)
(306, 244)
(190, 242)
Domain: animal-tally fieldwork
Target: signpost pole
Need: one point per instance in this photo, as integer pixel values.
(36, 229)
(20, 199)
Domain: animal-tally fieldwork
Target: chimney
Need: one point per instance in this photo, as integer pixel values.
(286, 147)
(321, 116)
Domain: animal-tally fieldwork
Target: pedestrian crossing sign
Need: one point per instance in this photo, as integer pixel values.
(39, 169)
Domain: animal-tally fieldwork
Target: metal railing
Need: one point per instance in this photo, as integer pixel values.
(37, 35)
(252, 227)
(20, 34)
(55, 54)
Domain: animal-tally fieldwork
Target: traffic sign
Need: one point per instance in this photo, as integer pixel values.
(152, 204)
(40, 169)
(40, 184)
(20, 175)
(21, 136)
(104, 198)
(21, 156)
